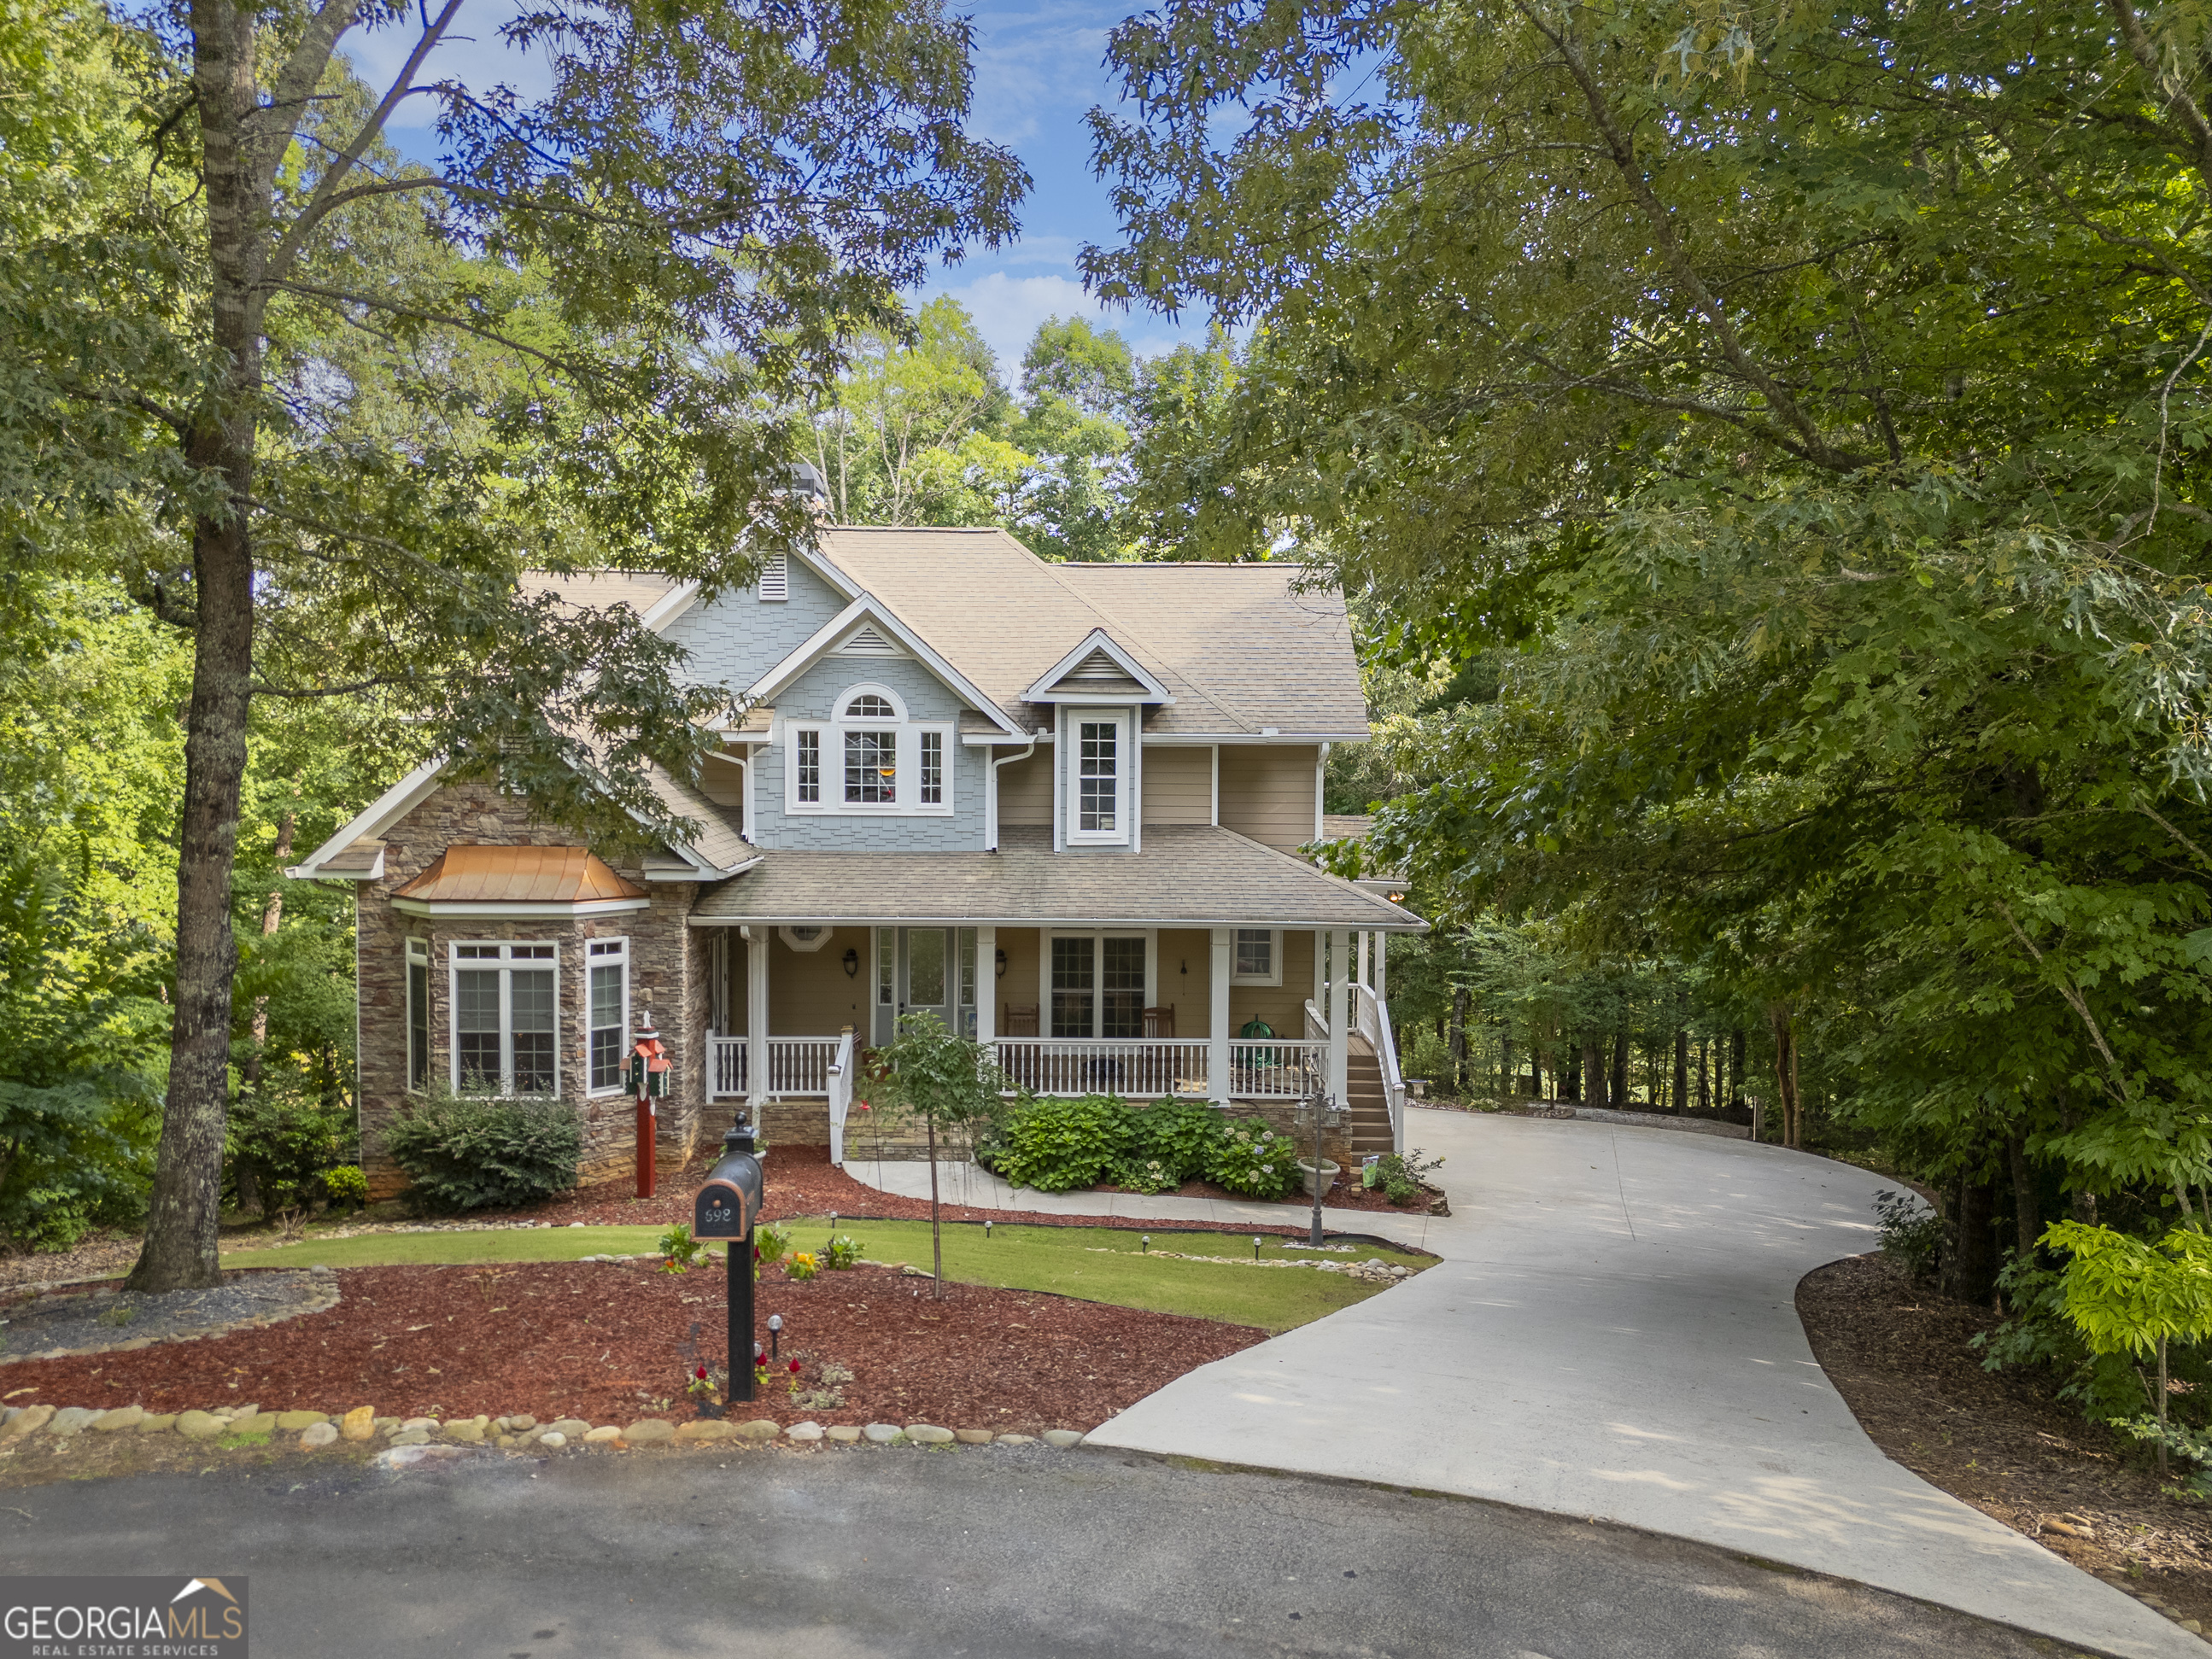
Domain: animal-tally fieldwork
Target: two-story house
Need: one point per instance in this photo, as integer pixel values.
(1059, 804)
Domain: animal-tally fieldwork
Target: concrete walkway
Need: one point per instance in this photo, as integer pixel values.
(1612, 1333)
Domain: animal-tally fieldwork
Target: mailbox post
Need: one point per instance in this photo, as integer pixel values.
(726, 1208)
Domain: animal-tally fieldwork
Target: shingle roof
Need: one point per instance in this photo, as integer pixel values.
(517, 875)
(640, 590)
(1237, 647)
(1186, 876)
(718, 841)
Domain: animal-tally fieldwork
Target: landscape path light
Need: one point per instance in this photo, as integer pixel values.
(774, 1334)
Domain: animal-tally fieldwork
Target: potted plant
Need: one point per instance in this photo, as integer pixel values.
(1330, 1171)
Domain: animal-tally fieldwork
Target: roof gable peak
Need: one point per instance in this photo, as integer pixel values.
(1098, 667)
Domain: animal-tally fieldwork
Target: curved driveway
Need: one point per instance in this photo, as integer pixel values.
(1612, 1333)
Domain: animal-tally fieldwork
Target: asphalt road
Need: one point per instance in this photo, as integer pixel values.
(1024, 1552)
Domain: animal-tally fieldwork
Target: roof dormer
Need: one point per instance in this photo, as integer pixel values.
(1098, 671)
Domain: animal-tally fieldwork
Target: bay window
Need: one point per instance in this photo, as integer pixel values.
(506, 1020)
(607, 1011)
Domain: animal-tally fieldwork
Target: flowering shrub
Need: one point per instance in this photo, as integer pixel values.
(1150, 1176)
(844, 1251)
(679, 1251)
(803, 1266)
(1261, 1164)
(771, 1243)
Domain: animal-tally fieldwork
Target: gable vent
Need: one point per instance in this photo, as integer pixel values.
(865, 642)
(1098, 667)
(775, 579)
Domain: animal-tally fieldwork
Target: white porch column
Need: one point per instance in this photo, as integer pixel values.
(1321, 972)
(986, 984)
(1338, 1013)
(756, 1020)
(1364, 937)
(1223, 964)
(1382, 967)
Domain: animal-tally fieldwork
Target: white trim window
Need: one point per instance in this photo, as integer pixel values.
(871, 759)
(1097, 985)
(1259, 957)
(1098, 775)
(606, 1011)
(418, 1015)
(507, 1024)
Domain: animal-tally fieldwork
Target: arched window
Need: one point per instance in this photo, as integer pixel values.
(869, 758)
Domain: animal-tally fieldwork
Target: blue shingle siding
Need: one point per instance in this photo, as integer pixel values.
(815, 695)
(737, 639)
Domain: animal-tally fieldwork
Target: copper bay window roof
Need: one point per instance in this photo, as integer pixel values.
(518, 875)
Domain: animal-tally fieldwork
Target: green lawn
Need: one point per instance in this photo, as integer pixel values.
(1100, 1264)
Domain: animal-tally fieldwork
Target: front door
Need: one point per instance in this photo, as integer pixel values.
(937, 975)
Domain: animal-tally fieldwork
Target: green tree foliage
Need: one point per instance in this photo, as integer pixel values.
(949, 1084)
(318, 408)
(1801, 412)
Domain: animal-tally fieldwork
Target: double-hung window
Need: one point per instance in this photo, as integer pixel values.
(869, 757)
(506, 1020)
(418, 1014)
(1259, 957)
(607, 1010)
(1098, 776)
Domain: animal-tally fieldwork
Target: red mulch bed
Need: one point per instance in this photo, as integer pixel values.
(801, 1181)
(610, 1342)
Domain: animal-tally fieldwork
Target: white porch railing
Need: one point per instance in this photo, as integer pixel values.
(1136, 1069)
(729, 1077)
(1372, 1021)
(841, 1096)
(797, 1066)
(1274, 1068)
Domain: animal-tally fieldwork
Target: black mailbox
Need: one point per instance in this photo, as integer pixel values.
(729, 1204)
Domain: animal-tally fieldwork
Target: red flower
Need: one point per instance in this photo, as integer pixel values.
(702, 1373)
(794, 1368)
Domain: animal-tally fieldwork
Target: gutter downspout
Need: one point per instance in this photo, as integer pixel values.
(991, 839)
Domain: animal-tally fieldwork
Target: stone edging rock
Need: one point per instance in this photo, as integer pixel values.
(244, 1424)
(322, 1301)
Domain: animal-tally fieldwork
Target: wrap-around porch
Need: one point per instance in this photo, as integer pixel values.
(1221, 1014)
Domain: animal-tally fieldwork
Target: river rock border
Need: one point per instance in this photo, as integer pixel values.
(249, 1425)
(325, 1297)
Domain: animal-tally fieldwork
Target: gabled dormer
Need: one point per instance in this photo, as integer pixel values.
(1099, 693)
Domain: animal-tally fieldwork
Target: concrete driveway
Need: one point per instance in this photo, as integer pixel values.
(1612, 1333)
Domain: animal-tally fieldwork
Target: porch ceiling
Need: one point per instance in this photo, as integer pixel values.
(1186, 876)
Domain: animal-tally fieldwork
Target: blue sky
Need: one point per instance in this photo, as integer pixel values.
(1038, 70)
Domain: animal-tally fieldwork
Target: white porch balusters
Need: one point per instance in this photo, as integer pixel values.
(756, 1076)
(1224, 958)
(1338, 1011)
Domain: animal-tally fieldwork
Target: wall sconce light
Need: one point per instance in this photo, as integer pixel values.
(852, 963)
(1002, 962)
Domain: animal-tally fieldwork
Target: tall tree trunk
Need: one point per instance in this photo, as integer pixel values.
(273, 917)
(1735, 1068)
(1972, 1262)
(1785, 1072)
(185, 1205)
(1594, 1072)
(1621, 1071)
(1681, 1099)
(2027, 1214)
(1458, 1039)
(1704, 1076)
(1505, 1072)
(1571, 1073)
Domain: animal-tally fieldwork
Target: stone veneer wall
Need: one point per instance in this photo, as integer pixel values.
(666, 975)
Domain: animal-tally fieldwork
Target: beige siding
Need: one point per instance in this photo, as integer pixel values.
(1178, 785)
(1025, 790)
(723, 783)
(1186, 968)
(1283, 1006)
(1268, 793)
(1020, 983)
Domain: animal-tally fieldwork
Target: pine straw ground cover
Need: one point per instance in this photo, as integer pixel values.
(612, 1342)
(1899, 1355)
